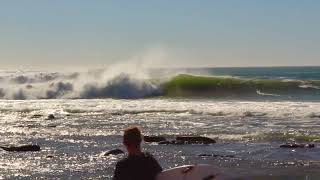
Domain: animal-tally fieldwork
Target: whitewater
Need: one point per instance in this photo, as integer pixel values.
(250, 112)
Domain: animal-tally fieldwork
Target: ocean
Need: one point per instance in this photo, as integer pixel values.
(250, 112)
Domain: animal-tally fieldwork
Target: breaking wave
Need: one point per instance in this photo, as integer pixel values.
(189, 85)
(95, 85)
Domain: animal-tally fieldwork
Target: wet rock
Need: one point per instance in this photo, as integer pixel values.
(216, 155)
(50, 116)
(195, 140)
(29, 86)
(50, 156)
(150, 139)
(173, 142)
(296, 145)
(21, 148)
(36, 116)
(164, 142)
(52, 126)
(113, 152)
(314, 115)
(32, 125)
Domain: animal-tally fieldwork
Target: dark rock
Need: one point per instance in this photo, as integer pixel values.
(22, 148)
(195, 140)
(164, 142)
(173, 142)
(216, 155)
(114, 152)
(314, 115)
(32, 125)
(296, 145)
(52, 126)
(248, 114)
(50, 156)
(36, 116)
(50, 116)
(153, 139)
(29, 86)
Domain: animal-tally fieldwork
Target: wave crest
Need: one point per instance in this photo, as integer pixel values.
(122, 86)
(128, 86)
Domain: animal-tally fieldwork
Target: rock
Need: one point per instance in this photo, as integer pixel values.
(164, 142)
(248, 114)
(32, 125)
(36, 116)
(314, 115)
(21, 148)
(296, 145)
(195, 140)
(29, 86)
(50, 156)
(216, 155)
(51, 126)
(173, 142)
(50, 116)
(153, 139)
(114, 152)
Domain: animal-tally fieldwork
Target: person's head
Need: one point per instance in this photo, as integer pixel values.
(132, 138)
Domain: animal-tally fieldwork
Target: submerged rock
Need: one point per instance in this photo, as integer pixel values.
(114, 152)
(29, 86)
(36, 116)
(296, 145)
(21, 148)
(50, 156)
(153, 139)
(50, 116)
(173, 142)
(195, 140)
(188, 140)
(216, 155)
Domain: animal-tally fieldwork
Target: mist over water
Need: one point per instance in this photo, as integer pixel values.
(93, 84)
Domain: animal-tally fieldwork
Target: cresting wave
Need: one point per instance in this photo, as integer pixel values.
(189, 85)
(94, 85)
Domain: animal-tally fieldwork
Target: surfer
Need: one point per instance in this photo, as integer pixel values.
(138, 164)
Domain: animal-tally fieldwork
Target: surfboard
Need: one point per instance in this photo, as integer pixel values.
(192, 172)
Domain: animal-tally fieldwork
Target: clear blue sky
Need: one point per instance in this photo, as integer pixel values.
(95, 33)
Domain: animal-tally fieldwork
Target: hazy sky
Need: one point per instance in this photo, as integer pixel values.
(95, 33)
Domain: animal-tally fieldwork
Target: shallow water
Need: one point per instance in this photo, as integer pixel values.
(73, 143)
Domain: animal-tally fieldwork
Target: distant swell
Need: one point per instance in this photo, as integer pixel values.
(127, 86)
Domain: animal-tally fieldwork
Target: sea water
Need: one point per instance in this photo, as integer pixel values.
(92, 109)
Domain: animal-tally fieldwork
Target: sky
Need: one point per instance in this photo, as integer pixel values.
(173, 33)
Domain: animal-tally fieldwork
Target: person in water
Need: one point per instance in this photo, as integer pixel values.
(138, 165)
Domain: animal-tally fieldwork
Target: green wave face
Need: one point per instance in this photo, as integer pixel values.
(189, 85)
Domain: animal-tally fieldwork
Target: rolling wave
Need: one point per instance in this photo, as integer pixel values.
(126, 86)
(189, 85)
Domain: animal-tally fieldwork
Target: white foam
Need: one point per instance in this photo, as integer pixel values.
(201, 107)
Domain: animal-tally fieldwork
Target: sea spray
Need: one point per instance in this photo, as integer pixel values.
(114, 83)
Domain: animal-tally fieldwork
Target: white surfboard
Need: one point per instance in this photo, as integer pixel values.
(192, 172)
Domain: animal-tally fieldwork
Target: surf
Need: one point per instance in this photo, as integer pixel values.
(99, 85)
